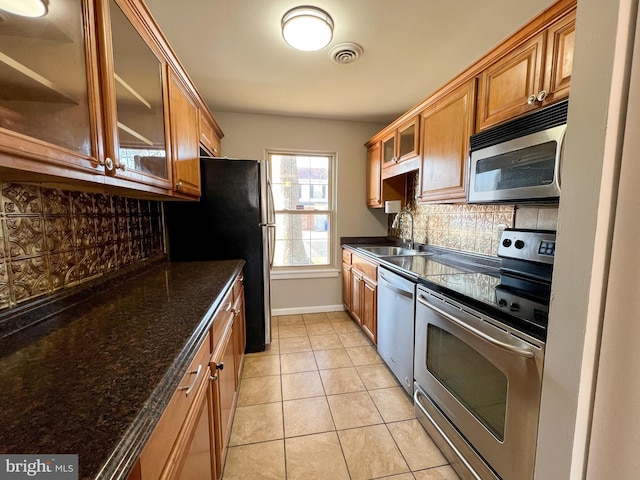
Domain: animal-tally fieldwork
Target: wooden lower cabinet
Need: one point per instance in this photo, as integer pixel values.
(356, 296)
(191, 438)
(346, 286)
(359, 292)
(224, 389)
(196, 459)
(370, 309)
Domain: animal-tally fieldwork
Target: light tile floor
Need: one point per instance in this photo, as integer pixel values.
(320, 404)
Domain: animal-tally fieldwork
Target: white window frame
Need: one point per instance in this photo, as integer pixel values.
(313, 271)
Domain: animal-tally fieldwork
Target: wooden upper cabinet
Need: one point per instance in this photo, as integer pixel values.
(134, 79)
(379, 190)
(185, 137)
(50, 118)
(401, 144)
(505, 86)
(560, 40)
(209, 140)
(374, 179)
(535, 74)
(446, 127)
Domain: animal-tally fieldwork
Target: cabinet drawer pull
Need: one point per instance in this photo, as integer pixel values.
(189, 389)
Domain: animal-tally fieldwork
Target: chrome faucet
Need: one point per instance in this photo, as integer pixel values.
(396, 220)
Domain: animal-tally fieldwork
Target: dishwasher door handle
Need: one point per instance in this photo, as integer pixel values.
(395, 288)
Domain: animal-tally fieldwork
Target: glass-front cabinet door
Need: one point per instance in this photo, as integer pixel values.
(49, 111)
(134, 80)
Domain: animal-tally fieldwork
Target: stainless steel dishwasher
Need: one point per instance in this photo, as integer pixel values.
(396, 308)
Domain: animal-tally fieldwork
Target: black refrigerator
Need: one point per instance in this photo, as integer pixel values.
(233, 219)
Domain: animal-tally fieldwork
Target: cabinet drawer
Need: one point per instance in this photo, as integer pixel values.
(222, 318)
(346, 257)
(159, 446)
(368, 269)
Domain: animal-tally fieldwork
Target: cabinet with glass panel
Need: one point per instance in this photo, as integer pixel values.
(84, 96)
(49, 117)
(400, 148)
(134, 95)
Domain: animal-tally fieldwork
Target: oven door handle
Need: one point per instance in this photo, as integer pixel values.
(523, 352)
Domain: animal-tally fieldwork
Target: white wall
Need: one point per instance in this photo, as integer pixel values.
(615, 435)
(248, 135)
(591, 161)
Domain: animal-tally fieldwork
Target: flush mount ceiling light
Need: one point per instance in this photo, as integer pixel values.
(307, 28)
(25, 8)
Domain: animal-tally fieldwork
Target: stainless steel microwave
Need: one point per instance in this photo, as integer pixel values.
(519, 161)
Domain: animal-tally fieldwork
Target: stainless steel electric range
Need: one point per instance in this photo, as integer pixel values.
(479, 349)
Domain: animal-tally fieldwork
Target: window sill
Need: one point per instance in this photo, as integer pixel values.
(304, 273)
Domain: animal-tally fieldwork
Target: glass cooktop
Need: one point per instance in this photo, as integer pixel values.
(483, 288)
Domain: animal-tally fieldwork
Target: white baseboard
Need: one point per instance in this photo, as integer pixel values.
(300, 310)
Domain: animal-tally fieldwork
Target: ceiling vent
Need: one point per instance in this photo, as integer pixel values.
(345, 53)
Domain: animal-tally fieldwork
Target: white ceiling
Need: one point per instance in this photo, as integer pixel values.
(234, 52)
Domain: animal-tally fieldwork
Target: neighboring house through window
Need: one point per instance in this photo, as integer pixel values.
(303, 186)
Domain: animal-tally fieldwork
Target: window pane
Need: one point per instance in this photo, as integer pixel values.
(300, 182)
(301, 191)
(301, 239)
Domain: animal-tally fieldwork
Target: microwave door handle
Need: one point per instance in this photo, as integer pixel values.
(522, 352)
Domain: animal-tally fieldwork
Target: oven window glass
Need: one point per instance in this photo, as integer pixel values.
(528, 167)
(470, 377)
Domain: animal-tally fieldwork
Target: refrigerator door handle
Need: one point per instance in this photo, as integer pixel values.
(271, 222)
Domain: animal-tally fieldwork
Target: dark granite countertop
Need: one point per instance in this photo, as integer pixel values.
(94, 379)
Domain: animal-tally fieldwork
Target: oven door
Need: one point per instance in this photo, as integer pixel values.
(485, 380)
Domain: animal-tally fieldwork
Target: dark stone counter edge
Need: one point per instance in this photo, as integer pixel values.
(126, 452)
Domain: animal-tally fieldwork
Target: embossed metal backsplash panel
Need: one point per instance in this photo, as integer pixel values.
(468, 228)
(51, 239)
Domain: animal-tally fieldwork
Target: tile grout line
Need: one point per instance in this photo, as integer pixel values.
(325, 395)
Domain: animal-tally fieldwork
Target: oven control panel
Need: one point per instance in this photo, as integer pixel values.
(532, 245)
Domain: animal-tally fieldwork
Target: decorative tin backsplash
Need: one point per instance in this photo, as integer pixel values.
(470, 228)
(51, 239)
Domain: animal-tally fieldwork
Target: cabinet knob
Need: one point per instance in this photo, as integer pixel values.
(108, 164)
(531, 99)
(541, 95)
(220, 366)
(122, 166)
(215, 150)
(179, 185)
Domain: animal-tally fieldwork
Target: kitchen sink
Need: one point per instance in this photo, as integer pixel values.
(391, 251)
